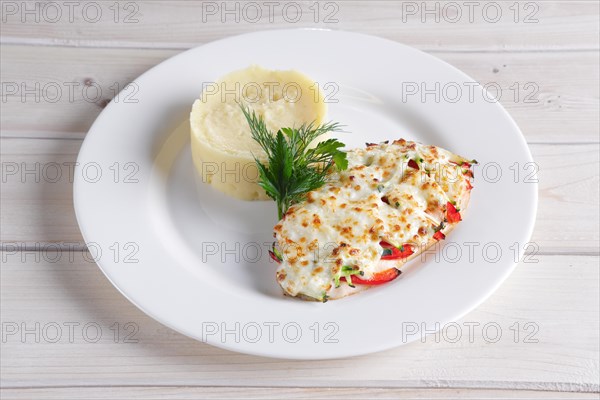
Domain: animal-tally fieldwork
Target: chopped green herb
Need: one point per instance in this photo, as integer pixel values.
(346, 272)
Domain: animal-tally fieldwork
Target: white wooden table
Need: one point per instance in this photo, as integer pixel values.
(547, 50)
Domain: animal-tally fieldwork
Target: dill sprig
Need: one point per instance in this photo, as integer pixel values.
(294, 168)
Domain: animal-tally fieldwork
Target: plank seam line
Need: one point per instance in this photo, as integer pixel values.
(12, 40)
(563, 143)
(43, 138)
(512, 51)
(51, 138)
(581, 388)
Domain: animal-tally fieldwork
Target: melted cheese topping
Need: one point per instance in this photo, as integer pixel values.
(381, 196)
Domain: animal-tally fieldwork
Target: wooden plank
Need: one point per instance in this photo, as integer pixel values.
(568, 197)
(558, 351)
(486, 25)
(554, 97)
(182, 393)
(37, 206)
(66, 92)
(36, 212)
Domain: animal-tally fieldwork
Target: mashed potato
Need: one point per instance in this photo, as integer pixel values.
(222, 147)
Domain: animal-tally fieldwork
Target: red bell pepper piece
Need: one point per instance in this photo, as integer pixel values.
(378, 278)
(452, 215)
(439, 235)
(396, 252)
(413, 164)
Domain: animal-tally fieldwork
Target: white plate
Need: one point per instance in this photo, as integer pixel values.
(157, 227)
